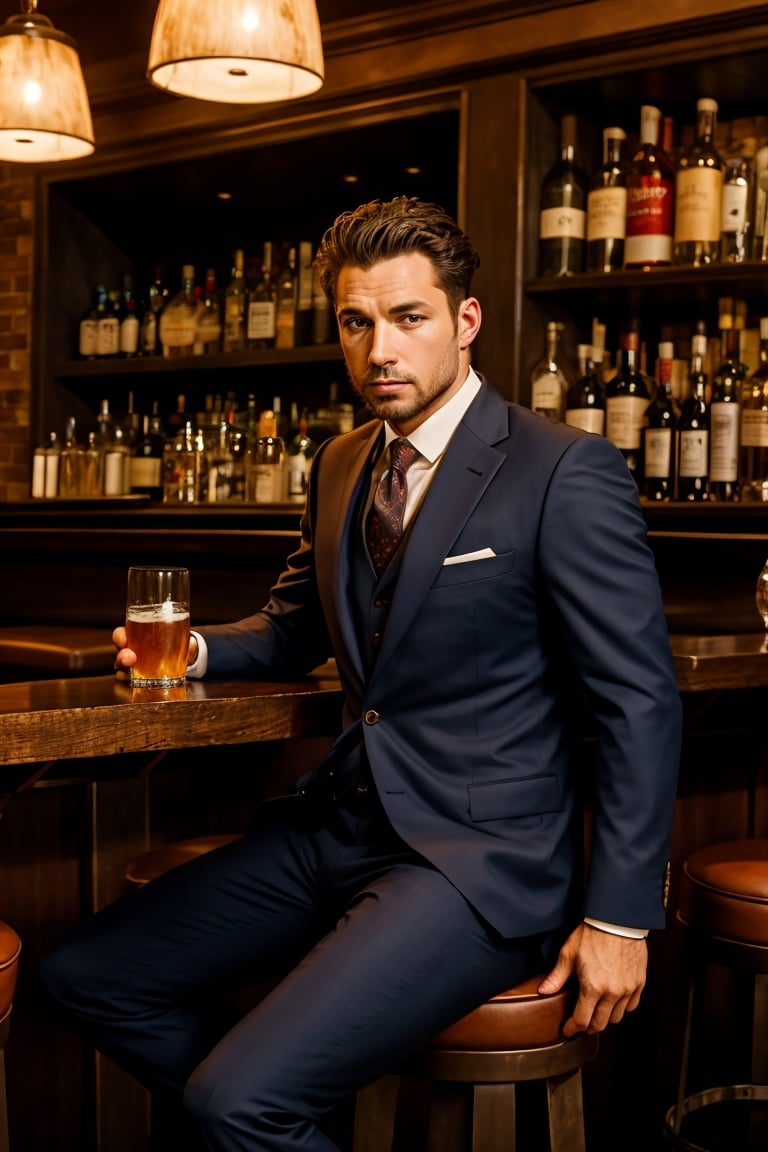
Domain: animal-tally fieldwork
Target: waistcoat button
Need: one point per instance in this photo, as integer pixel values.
(371, 716)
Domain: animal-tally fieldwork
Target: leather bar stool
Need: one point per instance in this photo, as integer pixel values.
(48, 651)
(154, 863)
(10, 948)
(723, 907)
(514, 1037)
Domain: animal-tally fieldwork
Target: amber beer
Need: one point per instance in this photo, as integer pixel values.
(157, 626)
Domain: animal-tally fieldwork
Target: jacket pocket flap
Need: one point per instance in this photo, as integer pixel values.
(507, 799)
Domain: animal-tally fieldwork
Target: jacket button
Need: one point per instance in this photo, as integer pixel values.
(371, 716)
(376, 639)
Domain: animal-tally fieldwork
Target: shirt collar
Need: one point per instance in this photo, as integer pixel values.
(431, 438)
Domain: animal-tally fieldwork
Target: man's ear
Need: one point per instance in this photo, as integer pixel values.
(469, 321)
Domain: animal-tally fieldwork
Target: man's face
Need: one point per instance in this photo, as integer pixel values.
(406, 353)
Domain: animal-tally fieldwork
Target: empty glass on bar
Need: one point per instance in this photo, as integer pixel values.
(157, 625)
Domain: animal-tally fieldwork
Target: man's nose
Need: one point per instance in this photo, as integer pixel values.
(382, 346)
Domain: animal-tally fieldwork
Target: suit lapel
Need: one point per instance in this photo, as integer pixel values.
(467, 468)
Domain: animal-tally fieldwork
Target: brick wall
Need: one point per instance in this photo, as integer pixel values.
(16, 200)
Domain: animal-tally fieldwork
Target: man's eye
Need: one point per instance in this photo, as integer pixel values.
(411, 318)
(355, 322)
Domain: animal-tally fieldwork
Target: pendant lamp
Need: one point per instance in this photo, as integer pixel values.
(44, 110)
(237, 51)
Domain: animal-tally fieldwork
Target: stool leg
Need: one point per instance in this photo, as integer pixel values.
(375, 1113)
(758, 1120)
(565, 1104)
(683, 1077)
(493, 1118)
(4, 1146)
(448, 1108)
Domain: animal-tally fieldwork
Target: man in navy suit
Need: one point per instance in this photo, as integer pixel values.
(433, 858)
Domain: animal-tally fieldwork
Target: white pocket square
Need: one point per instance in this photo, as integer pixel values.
(467, 557)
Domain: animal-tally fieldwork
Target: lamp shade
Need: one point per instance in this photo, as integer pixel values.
(237, 51)
(44, 110)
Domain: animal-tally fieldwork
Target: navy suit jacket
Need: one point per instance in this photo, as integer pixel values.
(466, 713)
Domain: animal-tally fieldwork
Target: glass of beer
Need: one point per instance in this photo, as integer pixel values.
(157, 625)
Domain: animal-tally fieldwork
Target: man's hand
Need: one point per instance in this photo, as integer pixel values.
(610, 971)
(126, 657)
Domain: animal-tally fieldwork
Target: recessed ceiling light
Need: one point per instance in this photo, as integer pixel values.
(224, 195)
(350, 178)
(414, 170)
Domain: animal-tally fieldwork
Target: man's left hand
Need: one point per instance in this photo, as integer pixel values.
(610, 971)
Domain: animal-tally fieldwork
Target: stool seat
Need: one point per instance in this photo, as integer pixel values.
(724, 891)
(515, 1019)
(154, 863)
(57, 649)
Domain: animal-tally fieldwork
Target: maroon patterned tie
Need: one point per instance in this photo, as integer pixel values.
(384, 528)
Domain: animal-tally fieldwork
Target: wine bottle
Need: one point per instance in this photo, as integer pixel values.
(650, 198)
(760, 182)
(146, 470)
(551, 377)
(607, 206)
(736, 224)
(178, 320)
(261, 306)
(286, 304)
(658, 433)
(626, 399)
(724, 415)
(265, 464)
(299, 453)
(585, 401)
(699, 193)
(129, 321)
(562, 215)
(234, 307)
(754, 427)
(208, 334)
(693, 429)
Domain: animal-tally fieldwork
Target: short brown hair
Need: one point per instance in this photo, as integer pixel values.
(381, 230)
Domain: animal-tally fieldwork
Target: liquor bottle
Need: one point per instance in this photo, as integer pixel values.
(659, 432)
(304, 304)
(607, 206)
(208, 332)
(129, 321)
(650, 198)
(735, 212)
(693, 429)
(584, 400)
(551, 377)
(89, 327)
(265, 464)
(45, 469)
(71, 462)
(760, 183)
(177, 419)
(754, 427)
(92, 474)
(724, 414)
(626, 399)
(107, 326)
(117, 465)
(261, 307)
(562, 214)
(286, 303)
(105, 424)
(233, 339)
(146, 470)
(178, 320)
(182, 457)
(299, 453)
(699, 193)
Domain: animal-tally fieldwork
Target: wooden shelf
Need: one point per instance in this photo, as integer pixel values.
(159, 365)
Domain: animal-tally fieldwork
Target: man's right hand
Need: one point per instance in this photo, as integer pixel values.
(126, 657)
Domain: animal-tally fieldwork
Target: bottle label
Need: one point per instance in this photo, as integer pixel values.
(129, 335)
(694, 453)
(649, 220)
(108, 336)
(146, 472)
(588, 419)
(724, 423)
(555, 223)
(734, 211)
(177, 327)
(754, 428)
(624, 420)
(547, 395)
(698, 202)
(607, 214)
(658, 445)
(261, 320)
(88, 337)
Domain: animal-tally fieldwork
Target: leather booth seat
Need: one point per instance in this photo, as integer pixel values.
(45, 651)
(10, 950)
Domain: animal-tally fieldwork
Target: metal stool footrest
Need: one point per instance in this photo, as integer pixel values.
(729, 1093)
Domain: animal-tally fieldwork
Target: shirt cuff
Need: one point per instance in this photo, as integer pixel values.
(198, 669)
(617, 929)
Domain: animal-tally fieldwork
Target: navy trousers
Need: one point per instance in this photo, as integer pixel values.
(380, 952)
